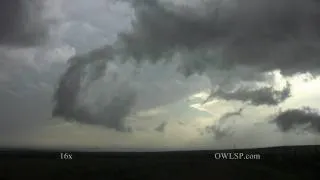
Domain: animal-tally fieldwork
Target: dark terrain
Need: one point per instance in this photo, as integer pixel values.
(301, 162)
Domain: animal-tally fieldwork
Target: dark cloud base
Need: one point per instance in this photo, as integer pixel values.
(266, 34)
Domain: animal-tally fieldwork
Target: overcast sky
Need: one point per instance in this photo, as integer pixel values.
(159, 74)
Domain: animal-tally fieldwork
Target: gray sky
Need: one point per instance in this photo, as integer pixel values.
(157, 106)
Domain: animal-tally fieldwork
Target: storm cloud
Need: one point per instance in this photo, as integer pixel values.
(262, 35)
(24, 23)
(306, 118)
(268, 35)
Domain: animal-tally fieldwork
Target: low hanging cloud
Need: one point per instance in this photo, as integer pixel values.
(263, 35)
(161, 127)
(291, 119)
(219, 129)
(68, 102)
(219, 132)
(228, 115)
(111, 115)
(261, 96)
